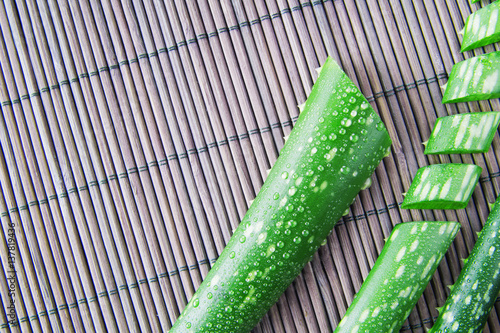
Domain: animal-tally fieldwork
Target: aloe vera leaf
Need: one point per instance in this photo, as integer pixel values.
(463, 133)
(330, 154)
(482, 27)
(442, 186)
(476, 289)
(474, 79)
(397, 280)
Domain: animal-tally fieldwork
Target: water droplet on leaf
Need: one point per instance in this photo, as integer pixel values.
(345, 170)
(346, 122)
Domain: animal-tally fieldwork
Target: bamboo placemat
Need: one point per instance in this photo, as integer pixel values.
(133, 134)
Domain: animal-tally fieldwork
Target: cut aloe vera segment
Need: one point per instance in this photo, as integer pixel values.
(463, 133)
(482, 27)
(474, 79)
(397, 280)
(442, 186)
(476, 289)
(333, 149)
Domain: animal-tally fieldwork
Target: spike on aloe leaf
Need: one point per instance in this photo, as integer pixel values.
(301, 106)
(286, 137)
(268, 171)
(451, 286)
(387, 152)
(490, 205)
(425, 143)
(318, 70)
(250, 203)
(367, 183)
(443, 87)
(439, 309)
(464, 260)
(461, 32)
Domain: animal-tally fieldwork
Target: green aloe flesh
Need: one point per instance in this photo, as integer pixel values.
(328, 158)
(474, 79)
(404, 268)
(463, 133)
(476, 289)
(482, 27)
(442, 186)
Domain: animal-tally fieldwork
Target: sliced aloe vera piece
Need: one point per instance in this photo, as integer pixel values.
(463, 133)
(482, 27)
(442, 186)
(474, 79)
(399, 277)
(476, 289)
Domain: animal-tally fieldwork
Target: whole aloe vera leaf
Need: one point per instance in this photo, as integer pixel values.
(397, 280)
(328, 158)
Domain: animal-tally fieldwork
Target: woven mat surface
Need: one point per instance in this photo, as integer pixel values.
(133, 135)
